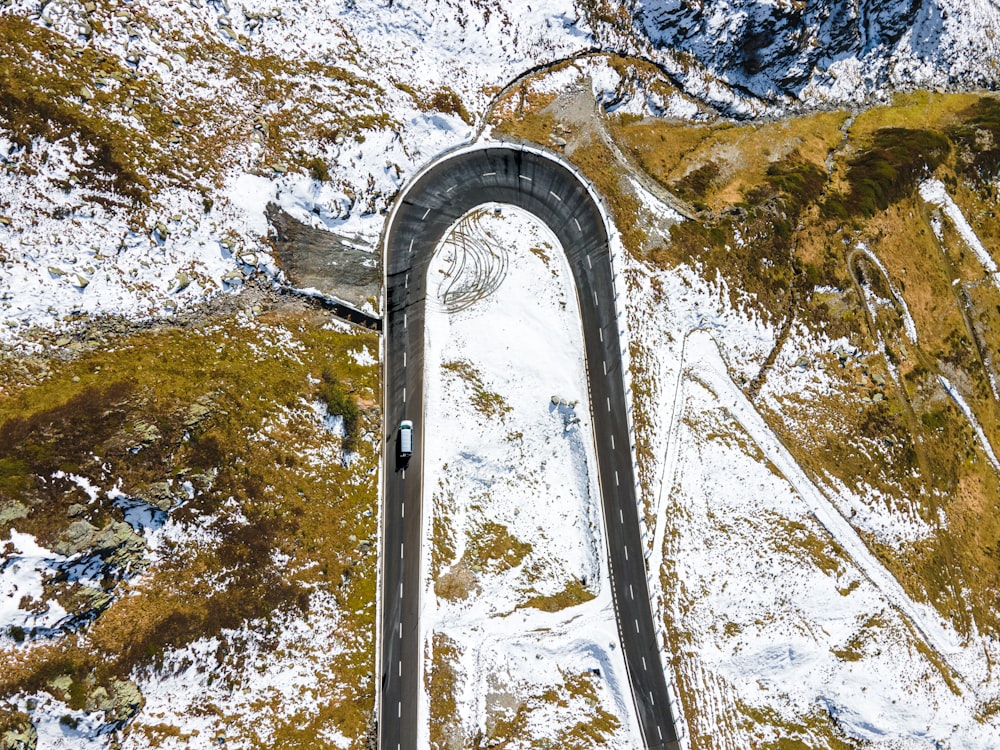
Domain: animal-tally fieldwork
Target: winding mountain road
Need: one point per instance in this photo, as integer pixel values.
(434, 201)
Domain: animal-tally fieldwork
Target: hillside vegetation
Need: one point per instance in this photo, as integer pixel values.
(872, 230)
(207, 500)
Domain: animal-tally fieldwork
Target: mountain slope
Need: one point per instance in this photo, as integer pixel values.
(808, 52)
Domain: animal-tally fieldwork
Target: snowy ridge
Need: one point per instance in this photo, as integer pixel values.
(820, 53)
(934, 192)
(984, 442)
(711, 371)
(909, 327)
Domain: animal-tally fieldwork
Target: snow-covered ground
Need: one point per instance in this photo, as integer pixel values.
(499, 452)
(780, 613)
(273, 672)
(62, 251)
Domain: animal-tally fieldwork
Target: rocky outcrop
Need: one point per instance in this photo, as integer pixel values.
(782, 48)
(337, 266)
(119, 704)
(17, 732)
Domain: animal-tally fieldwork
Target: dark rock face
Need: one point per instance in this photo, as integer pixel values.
(337, 266)
(774, 48)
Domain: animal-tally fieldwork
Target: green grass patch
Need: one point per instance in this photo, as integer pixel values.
(340, 403)
(887, 171)
(442, 680)
(486, 402)
(575, 593)
(491, 544)
(977, 137)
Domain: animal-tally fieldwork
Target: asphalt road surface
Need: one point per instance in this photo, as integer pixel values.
(438, 198)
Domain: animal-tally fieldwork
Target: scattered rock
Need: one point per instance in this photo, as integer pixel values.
(5, 221)
(99, 700)
(127, 702)
(20, 733)
(117, 537)
(198, 412)
(11, 510)
(61, 683)
(80, 282)
(159, 495)
(181, 282)
(77, 537)
(86, 93)
(146, 433)
(92, 601)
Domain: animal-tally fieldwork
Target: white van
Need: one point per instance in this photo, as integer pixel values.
(405, 438)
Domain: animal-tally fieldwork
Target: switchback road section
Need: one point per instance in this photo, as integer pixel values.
(439, 196)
